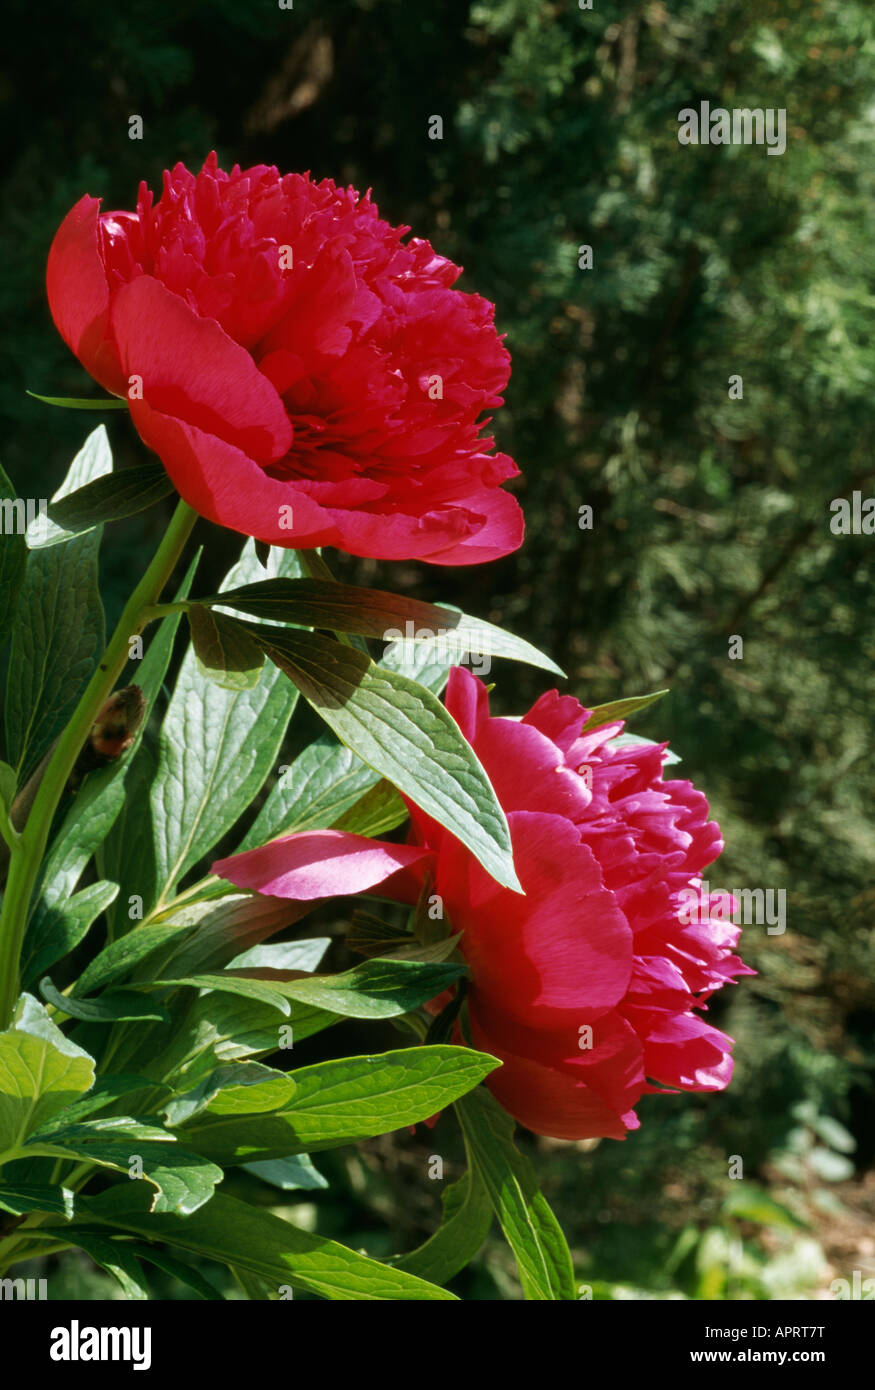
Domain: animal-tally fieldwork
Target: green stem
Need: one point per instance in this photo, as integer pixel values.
(27, 854)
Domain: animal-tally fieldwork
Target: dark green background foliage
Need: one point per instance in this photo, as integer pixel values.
(711, 515)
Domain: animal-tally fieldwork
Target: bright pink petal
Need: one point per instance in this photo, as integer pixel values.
(325, 864)
(225, 485)
(192, 371)
(500, 531)
(551, 1091)
(79, 294)
(560, 954)
(683, 1050)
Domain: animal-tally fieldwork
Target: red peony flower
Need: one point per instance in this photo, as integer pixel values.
(304, 375)
(589, 987)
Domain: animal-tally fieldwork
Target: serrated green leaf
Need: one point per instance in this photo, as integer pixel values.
(224, 650)
(403, 732)
(59, 635)
(260, 1243)
(530, 1228)
(41, 1071)
(108, 498)
(620, 709)
(343, 1101)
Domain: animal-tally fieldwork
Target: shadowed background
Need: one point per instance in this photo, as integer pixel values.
(711, 515)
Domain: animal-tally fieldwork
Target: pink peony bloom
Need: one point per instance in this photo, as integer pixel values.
(305, 376)
(589, 988)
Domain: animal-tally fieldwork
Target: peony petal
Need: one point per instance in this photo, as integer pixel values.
(194, 372)
(325, 864)
(559, 955)
(548, 1091)
(78, 294)
(226, 486)
(500, 532)
(683, 1050)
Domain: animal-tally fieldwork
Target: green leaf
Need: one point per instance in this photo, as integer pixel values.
(291, 1175)
(218, 930)
(242, 1088)
(343, 1101)
(117, 1258)
(183, 1180)
(376, 813)
(232, 1232)
(221, 1027)
(203, 938)
(80, 402)
(215, 749)
(122, 1005)
(229, 984)
(108, 498)
(179, 1269)
(284, 955)
(117, 960)
(21, 1198)
(327, 781)
(58, 928)
(106, 1092)
(8, 782)
(13, 556)
(91, 821)
(369, 936)
(420, 662)
(125, 854)
(41, 1071)
(224, 650)
(620, 709)
(466, 1223)
(403, 732)
(374, 613)
(755, 1204)
(59, 635)
(377, 989)
(530, 1228)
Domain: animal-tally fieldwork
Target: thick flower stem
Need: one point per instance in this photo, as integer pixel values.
(27, 853)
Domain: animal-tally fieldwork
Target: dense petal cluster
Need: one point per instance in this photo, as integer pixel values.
(306, 376)
(589, 987)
